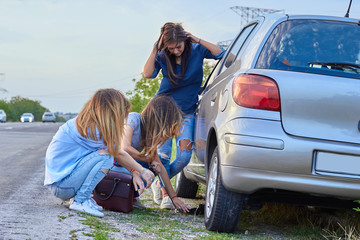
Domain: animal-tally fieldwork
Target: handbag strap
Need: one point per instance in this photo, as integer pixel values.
(116, 181)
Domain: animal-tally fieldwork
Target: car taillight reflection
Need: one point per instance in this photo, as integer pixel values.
(255, 91)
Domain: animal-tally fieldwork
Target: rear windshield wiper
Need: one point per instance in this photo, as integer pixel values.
(338, 65)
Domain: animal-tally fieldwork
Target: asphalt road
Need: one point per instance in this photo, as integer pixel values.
(28, 210)
(22, 151)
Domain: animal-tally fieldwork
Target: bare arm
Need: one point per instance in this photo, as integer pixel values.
(150, 64)
(213, 48)
(125, 160)
(169, 188)
(126, 145)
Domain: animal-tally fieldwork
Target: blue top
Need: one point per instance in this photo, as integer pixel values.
(65, 151)
(185, 93)
(133, 121)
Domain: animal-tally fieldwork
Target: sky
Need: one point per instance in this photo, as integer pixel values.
(59, 52)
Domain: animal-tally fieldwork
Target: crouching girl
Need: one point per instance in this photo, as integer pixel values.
(83, 149)
(160, 120)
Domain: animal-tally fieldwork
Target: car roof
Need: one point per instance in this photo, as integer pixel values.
(279, 16)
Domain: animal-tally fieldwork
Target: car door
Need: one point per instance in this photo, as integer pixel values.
(208, 106)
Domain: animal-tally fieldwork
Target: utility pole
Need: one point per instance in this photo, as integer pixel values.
(2, 77)
(246, 14)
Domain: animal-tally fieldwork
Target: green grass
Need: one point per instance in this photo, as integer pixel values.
(101, 229)
(272, 221)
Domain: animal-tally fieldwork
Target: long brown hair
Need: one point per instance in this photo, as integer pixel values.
(174, 33)
(105, 112)
(161, 119)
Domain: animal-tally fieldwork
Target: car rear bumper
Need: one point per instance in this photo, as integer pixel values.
(264, 156)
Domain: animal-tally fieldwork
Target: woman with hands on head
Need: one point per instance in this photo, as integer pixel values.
(160, 120)
(180, 55)
(83, 149)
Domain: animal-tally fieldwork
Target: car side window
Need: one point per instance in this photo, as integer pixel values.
(211, 78)
(235, 49)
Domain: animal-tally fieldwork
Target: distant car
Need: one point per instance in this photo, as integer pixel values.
(27, 117)
(48, 117)
(279, 119)
(2, 116)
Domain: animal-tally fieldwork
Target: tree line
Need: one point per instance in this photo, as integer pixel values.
(144, 90)
(18, 105)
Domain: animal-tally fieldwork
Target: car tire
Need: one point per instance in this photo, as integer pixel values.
(222, 207)
(184, 187)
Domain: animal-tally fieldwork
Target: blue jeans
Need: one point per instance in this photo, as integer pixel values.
(182, 157)
(84, 178)
(124, 170)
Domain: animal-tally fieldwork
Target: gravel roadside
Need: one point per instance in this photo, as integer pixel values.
(32, 212)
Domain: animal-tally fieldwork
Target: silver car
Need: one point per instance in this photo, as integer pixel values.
(2, 116)
(48, 117)
(279, 118)
(27, 117)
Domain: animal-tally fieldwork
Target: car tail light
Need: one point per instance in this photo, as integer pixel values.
(255, 91)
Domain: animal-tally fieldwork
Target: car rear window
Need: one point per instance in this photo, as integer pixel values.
(315, 46)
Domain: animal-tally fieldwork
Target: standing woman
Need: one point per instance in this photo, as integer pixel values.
(83, 149)
(180, 56)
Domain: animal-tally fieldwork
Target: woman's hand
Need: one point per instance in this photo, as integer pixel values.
(180, 205)
(138, 182)
(193, 39)
(148, 176)
(156, 166)
(158, 43)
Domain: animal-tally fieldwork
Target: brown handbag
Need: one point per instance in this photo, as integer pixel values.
(115, 192)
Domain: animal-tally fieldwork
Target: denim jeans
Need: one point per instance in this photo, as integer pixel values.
(124, 170)
(182, 157)
(84, 178)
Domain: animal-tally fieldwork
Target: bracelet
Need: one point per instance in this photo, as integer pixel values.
(132, 170)
(173, 197)
(199, 40)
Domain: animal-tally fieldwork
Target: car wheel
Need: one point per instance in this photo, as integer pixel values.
(184, 187)
(222, 207)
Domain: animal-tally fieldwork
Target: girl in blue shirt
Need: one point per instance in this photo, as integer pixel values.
(160, 119)
(83, 149)
(180, 55)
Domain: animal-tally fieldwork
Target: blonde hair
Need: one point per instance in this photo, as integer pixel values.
(161, 119)
(103, 117)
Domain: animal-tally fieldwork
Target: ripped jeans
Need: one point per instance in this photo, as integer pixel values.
(182, 156)
(84, 178)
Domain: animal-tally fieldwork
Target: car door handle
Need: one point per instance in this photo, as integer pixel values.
(213, 97)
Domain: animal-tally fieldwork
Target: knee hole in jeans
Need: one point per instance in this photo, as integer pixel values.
(185, 144)
(163, 155)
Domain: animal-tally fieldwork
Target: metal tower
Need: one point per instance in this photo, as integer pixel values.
(246, 14)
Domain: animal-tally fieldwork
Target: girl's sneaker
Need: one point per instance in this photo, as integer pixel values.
(86, 207)
(166, 203)
(137, 204)
(156, 190)
(95, 205)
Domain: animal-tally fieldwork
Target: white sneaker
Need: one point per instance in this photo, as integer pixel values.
(86, 207)
(166, 203)
(156, 190)
(137, 204)
(95, 205)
